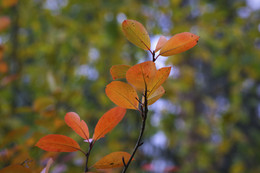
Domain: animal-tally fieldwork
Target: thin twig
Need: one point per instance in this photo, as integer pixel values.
(144, 112)
(87, 155)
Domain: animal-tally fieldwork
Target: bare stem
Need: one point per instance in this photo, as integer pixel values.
(87, 155)
(144, 111)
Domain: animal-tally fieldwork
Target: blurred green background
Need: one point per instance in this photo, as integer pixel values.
(56, 58)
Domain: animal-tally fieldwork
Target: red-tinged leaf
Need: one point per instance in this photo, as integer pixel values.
(160, 77)
(8, 79)
(171, 169)
(15, 169)
(108, 121)
(4, 22)
(58, 143)
(162, 40)
(1, 51)
(158, 93)
(113, 160)
(136, 33)
(72, 119)
(179, 43)
(119, 71)
(140, 74)
(122, 94)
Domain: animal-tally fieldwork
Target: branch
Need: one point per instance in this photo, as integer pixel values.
(91, 144)
(144, 112)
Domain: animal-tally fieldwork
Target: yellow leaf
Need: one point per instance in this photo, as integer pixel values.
(136, 33)
(122, 94)
(160, 77)
(158, 93)
(113, 160)
(119, 71)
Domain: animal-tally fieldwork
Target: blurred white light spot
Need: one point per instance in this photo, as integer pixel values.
(93, 54)
(244, 12)
(253, 4)
(159, 140)
(90, 72)
(120, 17)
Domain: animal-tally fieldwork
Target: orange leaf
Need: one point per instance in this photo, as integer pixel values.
(15, 168)
(162, 40)
(112, 160)
(160, 77)
(3, 67)
(9, 3)
(72, 119)
(158, 93)
(119, 71)
(4, 22)
(108, 121)
(179, 43)
(122, 94)
(58, 143)
(136, 33)
(140, 74)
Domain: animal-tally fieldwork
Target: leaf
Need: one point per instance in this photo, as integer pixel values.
(4, 22)
(162, 40)
(9, 3)
(140, 74)
(136, 33)
(112, 160)
(179, 43)
(158, 93)
(58, 143)
(122, 94)
(160, 77)
(3, 67)
(72, 119)
(119, 71)
(108, 121)
(15, 168)
(1, 52)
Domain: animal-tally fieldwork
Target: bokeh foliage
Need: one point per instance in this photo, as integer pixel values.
(59, 53)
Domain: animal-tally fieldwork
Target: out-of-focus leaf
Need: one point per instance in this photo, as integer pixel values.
(13, 135)
(3, 66)
(160, 77)
(112, 160)
(1, 51)
(15, 169)
(4, 22)
(122, 94)
(8, 79)
(119, 71)
(136, 33)
(8, 3)
(140, 74)
(179, 43)
(162, 40)
(72, 119)
(46, 169)
(58, 143)
(108, 121)
(44, 105)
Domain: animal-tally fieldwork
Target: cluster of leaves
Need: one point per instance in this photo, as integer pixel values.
(143, 77)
